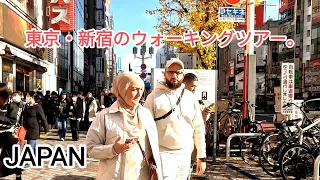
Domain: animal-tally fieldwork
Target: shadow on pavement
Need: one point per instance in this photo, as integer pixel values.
(73, 177)
(199, 178)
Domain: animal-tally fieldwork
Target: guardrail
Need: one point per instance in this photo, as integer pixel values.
(237, 135)
(316, 168)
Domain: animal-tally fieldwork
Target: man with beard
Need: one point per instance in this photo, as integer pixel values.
(179, 122)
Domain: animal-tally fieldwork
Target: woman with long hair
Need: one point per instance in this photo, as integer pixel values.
(124, 134)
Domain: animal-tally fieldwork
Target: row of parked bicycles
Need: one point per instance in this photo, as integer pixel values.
(289, 151)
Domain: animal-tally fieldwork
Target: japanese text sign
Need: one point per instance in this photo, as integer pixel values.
(231, 14)
(287, 87)
(62, 15)
(297, 112)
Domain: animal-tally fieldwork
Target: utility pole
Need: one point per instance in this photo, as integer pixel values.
(249, 65)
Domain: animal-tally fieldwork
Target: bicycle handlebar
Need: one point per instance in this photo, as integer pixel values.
(290, 104)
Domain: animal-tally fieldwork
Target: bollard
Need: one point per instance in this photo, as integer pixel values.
(316, 169)
(237, 135)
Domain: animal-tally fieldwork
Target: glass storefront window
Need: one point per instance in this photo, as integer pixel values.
(318, 45)
(314, 43)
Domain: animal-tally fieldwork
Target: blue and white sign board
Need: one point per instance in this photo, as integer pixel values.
(232, 14)
(206, 89)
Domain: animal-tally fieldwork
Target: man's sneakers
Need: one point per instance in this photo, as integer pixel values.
(26, 167)
(18, 177)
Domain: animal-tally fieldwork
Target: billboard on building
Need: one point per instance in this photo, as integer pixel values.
(283, 5)
(315, 15)
(314, 63)
(240, 57)
(286, 15)
(66, 21)
(12, 29)
(259, 18)
(312, 76)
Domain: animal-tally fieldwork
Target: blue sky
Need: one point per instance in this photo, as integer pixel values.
(130, 15)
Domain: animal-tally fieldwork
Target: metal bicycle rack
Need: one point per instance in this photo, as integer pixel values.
(316, 168)
(237, 135)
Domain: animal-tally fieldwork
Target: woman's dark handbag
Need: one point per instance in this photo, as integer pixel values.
(151, 164)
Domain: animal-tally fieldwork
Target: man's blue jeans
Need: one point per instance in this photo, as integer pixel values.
(62, 127)
(33, 144)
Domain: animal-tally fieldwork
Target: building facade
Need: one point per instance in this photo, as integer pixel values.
(77, 65)
(165, 53)
(110, 56)
(23, 69)
(97, 16)
(69, 57)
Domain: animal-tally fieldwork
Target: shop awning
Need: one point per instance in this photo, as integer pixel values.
(24, 55)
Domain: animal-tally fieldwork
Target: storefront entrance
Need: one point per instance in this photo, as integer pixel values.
(20, 81)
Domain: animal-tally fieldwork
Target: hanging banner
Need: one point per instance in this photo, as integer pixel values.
(287, 87)
(259, 18)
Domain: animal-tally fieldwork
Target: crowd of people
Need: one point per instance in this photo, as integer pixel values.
(37, 112)
(162, 137)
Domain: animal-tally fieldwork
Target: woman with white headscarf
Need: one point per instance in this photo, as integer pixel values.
(117, 131)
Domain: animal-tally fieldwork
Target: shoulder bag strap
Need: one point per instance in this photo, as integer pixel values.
(143, 154)
(168, 113)
(21, 116)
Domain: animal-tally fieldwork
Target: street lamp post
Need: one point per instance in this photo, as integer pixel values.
(143, 51)
(143, 66)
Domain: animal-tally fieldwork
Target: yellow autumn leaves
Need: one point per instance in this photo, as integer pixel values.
(175, 17)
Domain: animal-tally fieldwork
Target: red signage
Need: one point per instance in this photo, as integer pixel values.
(284, 4)
(62, 15)
(315, 18)
(232, 2)
(259, 18)
(314, 63)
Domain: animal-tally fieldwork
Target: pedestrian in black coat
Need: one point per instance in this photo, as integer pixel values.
(7, 140)
(53, 108)
(75, 110)
(34, 118)
(14, 109)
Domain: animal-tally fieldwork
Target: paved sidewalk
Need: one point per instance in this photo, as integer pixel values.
(216, 171)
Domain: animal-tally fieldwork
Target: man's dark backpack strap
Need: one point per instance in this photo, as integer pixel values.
(168, 113)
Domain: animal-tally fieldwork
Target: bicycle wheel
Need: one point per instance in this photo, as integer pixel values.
(249, 149)
(268, 156)
(209, 136)
(232, 124)
(297, 163)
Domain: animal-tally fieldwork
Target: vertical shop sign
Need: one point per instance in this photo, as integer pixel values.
(287, 87)
(62, 15)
